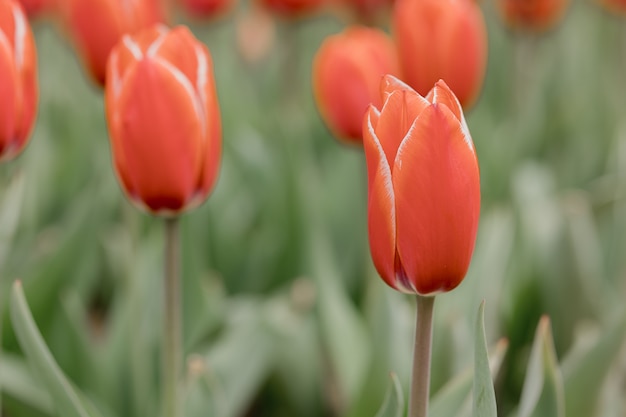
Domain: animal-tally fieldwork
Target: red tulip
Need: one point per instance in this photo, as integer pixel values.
(18, 80)
(292, 8)
(97, 25)
(163, 118)
(346, 77)
(423, 186)
(207, 8)
(442, 39)
(37, 7)
(532, 14)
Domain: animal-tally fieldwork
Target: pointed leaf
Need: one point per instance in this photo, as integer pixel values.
(393, 406)
(484, 393)
(542, 394)
(585, 372)
(67, 399)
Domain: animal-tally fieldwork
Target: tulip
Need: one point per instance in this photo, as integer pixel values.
(535, 15)
(614, 6)
(423, 188)
(346, 77)
(292, 8)
(207, 8)
(18, 80)
(97, 25)
(163, 118)
(36, 7)
(368, 11)
(442, 39)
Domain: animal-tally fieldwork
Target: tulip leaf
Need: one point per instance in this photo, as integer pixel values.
(484, 393)
(542, 394)
(585, 372)
(452, 398)
(393, 405)
(17, 381)
(68, 401)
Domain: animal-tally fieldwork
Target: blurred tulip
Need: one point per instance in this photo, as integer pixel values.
(205, 9)
(442, 39)
(531, 14)
(423, 186)
(256, 34)
(369, 11)
(347, 70)
(18, 79)
(163, 118)
(292, 8)
(97, 25)
(36, 7)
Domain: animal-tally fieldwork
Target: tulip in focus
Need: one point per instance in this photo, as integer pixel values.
(18, 80)
(163, 118)
(442, 39)
(97, 25)
(423, 187)
(347, 71)
(535, 15)
(204, 9)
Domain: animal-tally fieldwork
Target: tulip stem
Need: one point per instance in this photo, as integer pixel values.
(172, 350)
(420, 380)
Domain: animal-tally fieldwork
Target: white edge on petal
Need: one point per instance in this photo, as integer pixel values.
(156, 44)
(464, 127)
(201, 82)
(400, 82)
(20, 35)
(187, 87)
(132, 47)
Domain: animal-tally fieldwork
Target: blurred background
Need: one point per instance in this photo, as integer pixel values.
(284, 314)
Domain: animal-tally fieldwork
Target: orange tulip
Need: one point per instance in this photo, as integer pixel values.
(18, 80)
(97, 25)
(346, 77)
(207, 8)
(442, 39)
(531, 14)
(423, 186)
(163, 117)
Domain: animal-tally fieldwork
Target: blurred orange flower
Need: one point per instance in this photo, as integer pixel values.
(347, 70)
(18, 79)
(532, 14)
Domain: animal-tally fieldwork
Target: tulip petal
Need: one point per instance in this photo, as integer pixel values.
(396, 117)
(441, 93)
(10, 96)
(26, 63)
(437, 194)
(381, 204)
(160, 134)
(389, 84)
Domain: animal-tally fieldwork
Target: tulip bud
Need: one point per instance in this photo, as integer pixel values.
(442, 39)
(346, 77)
(423, 188)
(18, 80)
(97, 25)
(534, 15)
(36, 7)
(163, 118)
(204, 9)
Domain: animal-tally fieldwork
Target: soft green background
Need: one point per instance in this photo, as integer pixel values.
(283, 312)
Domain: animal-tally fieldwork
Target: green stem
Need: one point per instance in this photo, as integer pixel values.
(420, 381)
(172, 350)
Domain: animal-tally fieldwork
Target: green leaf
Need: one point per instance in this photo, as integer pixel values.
(17, 381)
(452, 398)
(66, 398)
(393, 406)
(484, 393)
(585, 371)
(542, 394)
